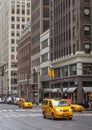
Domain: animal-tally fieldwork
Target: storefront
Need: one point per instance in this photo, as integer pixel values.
(87, 93)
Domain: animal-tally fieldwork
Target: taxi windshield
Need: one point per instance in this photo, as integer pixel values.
(60, 103)
(27, 100)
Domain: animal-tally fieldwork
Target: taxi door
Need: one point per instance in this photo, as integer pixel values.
(49, 109)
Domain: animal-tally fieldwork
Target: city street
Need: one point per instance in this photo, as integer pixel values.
(14, 118)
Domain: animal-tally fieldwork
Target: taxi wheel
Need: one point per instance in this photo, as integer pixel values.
(70, 118)
(73, 109)
(52, 116)
(44, 116)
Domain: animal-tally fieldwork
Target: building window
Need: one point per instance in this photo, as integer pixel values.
(28, 19)
(87, 47)
(18, 26)
(73, 48)
(18, 4)
(17, 34)
(13, 81)
(45, 2)
(64, 71)
(23, 26)
(28, 4)
(12, 33)
(12, 18)
(23, 11)
(12, 11)
(73, 70)
(12, 41)
(28, 11)
(12, 49)
(45, 44)
(57, 72)
(87, 1)
(87, 68)
(87, 11)
(45, 57)
(87, 30)
(12, 57)
(23, 19)
(18, 11)
(74, 34)
(13, 26)
(45, 71)
(74, 15)
(18, 19)
(73, 2)
(45, 12)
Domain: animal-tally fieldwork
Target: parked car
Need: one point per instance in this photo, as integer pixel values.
(25, 103)
(16, 100)
(56, 109)
(9, 100)
(1, 100)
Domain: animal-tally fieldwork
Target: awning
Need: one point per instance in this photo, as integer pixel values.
(47, 89)
(87, 89)
(55, 90)
(72, 89)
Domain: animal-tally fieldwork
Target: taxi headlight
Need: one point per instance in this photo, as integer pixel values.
(57, 109)
(70, 109)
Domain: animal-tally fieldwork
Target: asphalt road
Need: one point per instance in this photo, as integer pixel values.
(14, 118)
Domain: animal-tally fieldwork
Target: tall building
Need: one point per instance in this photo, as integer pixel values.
(24, 63)
(39, 24)
(71, 48)
(13, 17)
(44, 62)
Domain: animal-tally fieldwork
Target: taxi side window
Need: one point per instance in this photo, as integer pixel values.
(50, 103)
(45, 102)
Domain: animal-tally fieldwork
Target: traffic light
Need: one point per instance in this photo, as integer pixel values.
(51, 73)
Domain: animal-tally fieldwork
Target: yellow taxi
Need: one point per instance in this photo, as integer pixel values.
(74, 106)
(25, 103)
(53, 109)
(77, 107)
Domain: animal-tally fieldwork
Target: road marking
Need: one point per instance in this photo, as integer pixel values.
(20, 115)
(20, 110)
